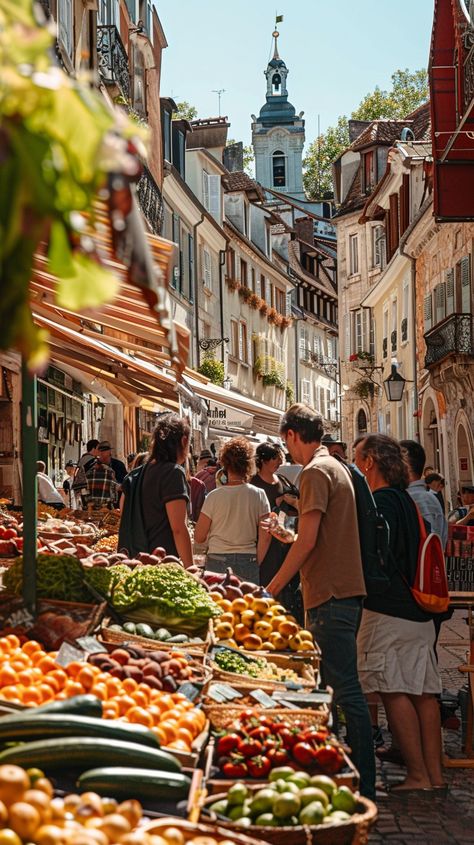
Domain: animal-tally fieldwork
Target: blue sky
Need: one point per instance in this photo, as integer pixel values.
(336, 52)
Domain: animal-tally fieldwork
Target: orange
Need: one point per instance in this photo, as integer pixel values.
(72, 688)
(52, 683)
(110, 708)
(140, 716)
(4, 645)
(100, 691)
(30, 647)
(178, 697)
(125, 703)
(19, 663)
(60, 676)
(191, 723)
(179, 745)
(46, 692)
(160, 734)
(7, 675)
(74, 668)
(46, 664)
(185, 735)
(139, 698)
(174, 715)
(37, 656)
(85, 677)
(154, 712)
(13, 640)
(145, 689)
(25, 677)
(170, 731)
(129, 685)
(10, 693)
(32, 695)
(114, 686)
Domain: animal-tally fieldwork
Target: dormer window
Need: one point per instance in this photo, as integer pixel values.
(279, 169)
(276, 83)
(369, 170)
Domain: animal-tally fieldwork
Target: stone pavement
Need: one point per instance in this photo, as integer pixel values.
(433, 821)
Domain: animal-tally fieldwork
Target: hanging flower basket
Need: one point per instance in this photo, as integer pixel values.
(245, 293)
(364, 388)
(272, 316)
(233, 284)
(286, 322)
(264, 308)
(255, 301)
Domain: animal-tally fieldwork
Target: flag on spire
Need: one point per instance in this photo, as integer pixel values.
(278, 19)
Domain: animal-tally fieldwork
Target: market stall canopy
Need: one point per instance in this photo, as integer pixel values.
(266, 420)
(106, 362)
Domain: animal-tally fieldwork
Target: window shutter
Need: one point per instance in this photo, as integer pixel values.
(214, 182)
(428, 312)
(249, 348)
(440, 301)
(450, 291)
(288, 304)
(302, 342)
(207, 269)
(241, 342)
(268, 293)
(347, 335)
(322, 401)
(305, 392)
(258, 285)
(205, 190)
(65, 25)
(328, 404)
(191, 266)
(466, 284)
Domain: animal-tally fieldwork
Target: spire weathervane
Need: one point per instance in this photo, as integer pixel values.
(276, 35)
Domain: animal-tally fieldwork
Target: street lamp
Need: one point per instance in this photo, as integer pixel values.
(394, 385)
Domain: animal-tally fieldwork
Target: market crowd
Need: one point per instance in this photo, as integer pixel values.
(287, 519)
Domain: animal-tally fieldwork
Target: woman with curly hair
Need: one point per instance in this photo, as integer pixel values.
(396, 637)
(156, 494)
(231, 514)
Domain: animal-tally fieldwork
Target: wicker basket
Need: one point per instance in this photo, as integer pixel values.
(354, 831)
(192, 829)
(304, 670)
(198, 650)
(222, 715)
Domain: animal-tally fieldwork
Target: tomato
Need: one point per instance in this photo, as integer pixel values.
(234, 769)
(278, 756)
(228, 743)
(249, 747)
(259, 767)
(9, 533)
(328, 758)
(260, 733)
(304, 753)
(287, 737)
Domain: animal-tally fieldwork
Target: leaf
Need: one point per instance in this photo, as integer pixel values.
(59, 252)
(88, 286)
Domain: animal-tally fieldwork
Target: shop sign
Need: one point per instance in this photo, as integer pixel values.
(221, 416)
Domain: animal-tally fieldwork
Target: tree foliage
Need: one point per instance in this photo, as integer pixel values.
(409, 90)
(185, 111)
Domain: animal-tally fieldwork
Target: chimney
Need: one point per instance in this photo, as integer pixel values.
(304, 227)
(234, 157)
(356, 128)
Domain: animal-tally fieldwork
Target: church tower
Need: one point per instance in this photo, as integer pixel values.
(278, 134)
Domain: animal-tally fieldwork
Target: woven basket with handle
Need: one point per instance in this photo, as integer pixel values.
(192, 829)
(221, 715)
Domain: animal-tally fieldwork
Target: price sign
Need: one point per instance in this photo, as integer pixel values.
(90, 644)
(69, 653)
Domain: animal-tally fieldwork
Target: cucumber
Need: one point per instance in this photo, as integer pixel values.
(143, 630)
(44, 726)
(78, 705)
(129, 627)
(162, 635)
(119, 782)
(179, 638)
(86, 752)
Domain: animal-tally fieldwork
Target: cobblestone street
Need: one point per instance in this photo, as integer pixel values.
(434, 821)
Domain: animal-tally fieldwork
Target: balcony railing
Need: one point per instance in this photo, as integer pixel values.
(113, 59)
(404, 328)
(393, 340)
(385, 347)
(151, 201)
(453, 336)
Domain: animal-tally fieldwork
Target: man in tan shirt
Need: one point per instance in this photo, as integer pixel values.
(326, 552)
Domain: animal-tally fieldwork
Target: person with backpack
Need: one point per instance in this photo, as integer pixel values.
(396, 638)
(327, 554)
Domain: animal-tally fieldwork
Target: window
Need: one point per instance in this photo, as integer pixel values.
(179, 150)
(176, 236)
(261, 286)
(270, 297)
(243, 344)
(107, 12)
(206, 269)
(243, 272)
(66, 26)
(211, 193)
(466, 284)
(378, 247)
(145, 15)
(276, 83)
(405, 311)
(353, 255)
(369, 170)
(231, 264)
(322, 402)
(279, 169)
(253, 277)
(361, 422)
(385, 333)
(428, 312)
(305, 391)
(234, 338)
(359, 335)
(280, 301)
(138, 82)
(347, 335)
(304, 342)
(394, 322)
(166, 118)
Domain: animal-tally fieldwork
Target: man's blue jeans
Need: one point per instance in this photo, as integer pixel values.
(334, 626)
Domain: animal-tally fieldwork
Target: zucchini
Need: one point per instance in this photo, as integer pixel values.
(44, 726)
(143, 630)
(87, 752)
(78, 705)
(120, 782)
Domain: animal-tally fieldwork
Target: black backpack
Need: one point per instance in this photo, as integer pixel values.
(374, 535)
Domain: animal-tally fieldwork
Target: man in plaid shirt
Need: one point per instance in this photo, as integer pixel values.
(102, 488)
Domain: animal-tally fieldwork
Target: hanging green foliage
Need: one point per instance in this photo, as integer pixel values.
(58, 140)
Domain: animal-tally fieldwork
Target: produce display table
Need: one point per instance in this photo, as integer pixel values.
(465, 601)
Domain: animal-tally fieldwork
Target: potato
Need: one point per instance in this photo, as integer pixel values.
(121, 656)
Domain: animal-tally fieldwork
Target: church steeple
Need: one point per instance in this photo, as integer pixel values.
(278, 133)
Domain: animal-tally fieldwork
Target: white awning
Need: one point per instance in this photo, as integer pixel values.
(266, 420)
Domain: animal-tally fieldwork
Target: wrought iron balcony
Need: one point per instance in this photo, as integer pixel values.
(151, 201)
(453, 336)
(113, 59)
(393, 340)
(404, 328)
(385, 347)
